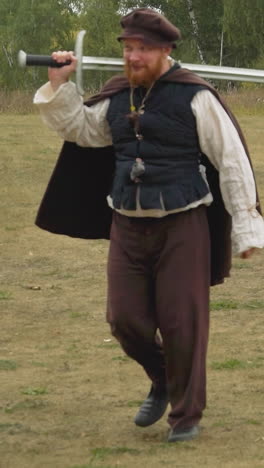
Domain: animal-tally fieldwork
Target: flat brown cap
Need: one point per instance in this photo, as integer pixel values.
(150, 27)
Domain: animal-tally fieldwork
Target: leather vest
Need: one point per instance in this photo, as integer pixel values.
(169, 148)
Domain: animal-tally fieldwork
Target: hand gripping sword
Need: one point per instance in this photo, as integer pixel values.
(116, 65)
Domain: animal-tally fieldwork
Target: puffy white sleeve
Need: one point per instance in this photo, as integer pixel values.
(220, 141)
(64, 112)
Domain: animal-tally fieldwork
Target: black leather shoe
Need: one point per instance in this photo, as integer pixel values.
(179, 435)
(153, 408)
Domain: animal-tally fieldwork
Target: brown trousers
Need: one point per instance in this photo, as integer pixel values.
(158, 279)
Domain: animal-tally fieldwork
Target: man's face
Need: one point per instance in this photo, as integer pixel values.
(144, 63)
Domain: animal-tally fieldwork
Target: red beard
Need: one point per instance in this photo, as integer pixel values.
(146, 76)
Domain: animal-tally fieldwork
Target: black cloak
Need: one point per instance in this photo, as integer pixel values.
(75, 203)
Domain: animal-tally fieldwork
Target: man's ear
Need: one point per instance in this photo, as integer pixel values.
(167, 51)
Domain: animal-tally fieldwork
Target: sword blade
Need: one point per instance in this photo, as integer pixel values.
(205, 71)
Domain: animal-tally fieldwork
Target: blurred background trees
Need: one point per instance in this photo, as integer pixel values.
(226, 32)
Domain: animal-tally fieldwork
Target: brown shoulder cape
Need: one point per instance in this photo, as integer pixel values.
(75, 203)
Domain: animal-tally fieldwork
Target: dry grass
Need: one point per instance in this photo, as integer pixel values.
(249, 101)
(246, 101)
(68, 394)
(17, 102)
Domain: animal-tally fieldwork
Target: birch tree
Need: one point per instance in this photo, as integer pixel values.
(199, 22)
(195, 29)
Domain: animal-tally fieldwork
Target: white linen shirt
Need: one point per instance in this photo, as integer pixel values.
(64, 112)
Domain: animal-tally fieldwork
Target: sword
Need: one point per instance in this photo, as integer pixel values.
(117, 64)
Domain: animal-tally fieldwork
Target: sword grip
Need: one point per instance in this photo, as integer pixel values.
(39, 60)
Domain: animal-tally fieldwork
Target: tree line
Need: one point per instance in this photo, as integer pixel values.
(216, 32)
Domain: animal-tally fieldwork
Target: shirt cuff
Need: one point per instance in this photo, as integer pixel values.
(247, 231)
(59, 109)
(46, 94)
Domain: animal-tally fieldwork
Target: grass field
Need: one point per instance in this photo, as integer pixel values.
(68, 393)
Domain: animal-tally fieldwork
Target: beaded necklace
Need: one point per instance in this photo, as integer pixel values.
(141, 108)
(135, 113)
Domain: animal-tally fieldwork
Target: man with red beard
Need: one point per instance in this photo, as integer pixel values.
(181, 172)
(144, 64)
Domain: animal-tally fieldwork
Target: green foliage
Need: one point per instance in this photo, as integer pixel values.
(41, 27)
(11, 428)
(233, 364)
(243, 24)
(240, 21)
(101, 21)
(227, 304)
(255, 304)
(224, 305)
(6, 364)
(25, 405)
(33, 26)
(4, 295)
(229, 364)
